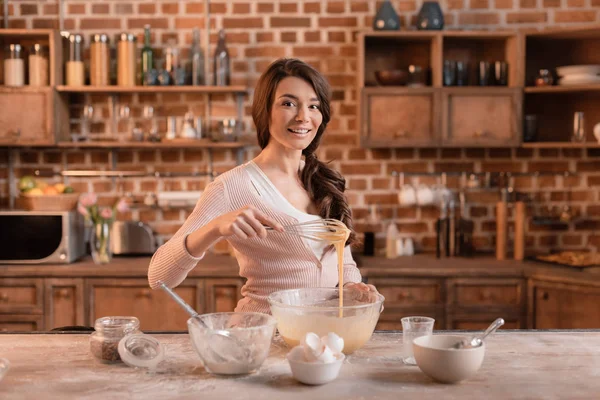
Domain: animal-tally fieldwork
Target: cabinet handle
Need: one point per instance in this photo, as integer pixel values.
(145, 294)
(63, 294)
(545, 296)
(401, 134)
(3, 298)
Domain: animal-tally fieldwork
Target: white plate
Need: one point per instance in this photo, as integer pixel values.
(579, 80)
(593, 69)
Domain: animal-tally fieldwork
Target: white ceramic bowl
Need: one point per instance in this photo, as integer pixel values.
(436, 358)
(313, 373)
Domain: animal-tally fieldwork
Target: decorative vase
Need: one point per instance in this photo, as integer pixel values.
(100, 243)
(430, 16)
(386, 18)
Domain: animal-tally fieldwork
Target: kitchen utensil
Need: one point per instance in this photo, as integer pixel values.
(449, 73)
(318, 229)
(412, 328)
(484, 73)
(417, 76)
(462, 73)
(438, 360)
(578, 127)
(226, 345)
(299, 311)
(592, 69)
(477, 341)
(392, 77)
(501, 73)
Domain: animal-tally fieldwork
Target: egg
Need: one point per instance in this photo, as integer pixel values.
(313, 347)
(326, 356)
(333, 342)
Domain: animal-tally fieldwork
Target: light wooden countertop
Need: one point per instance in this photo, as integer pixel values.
(517, 365)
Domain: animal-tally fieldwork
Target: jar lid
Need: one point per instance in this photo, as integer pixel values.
(15, 47)
(141, 351)
(76, 38)
(100, 38)
(118, 325)
(39, 48)
(127, 37)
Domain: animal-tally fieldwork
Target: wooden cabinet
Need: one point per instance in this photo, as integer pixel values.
(481, 117)
(391, 117)
(154, 308)
(21, 296)
(63, 303)
(481, 322)
(222, 295)
(564, 306)
(21, 323)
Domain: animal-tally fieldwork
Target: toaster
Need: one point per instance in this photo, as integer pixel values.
(132, 238)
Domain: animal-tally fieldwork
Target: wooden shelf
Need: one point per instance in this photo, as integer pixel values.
(398, 90)
(26, 32)
(563, 89)
(410, 35)
(191, 144)
(481, 90)
(575, 32)
(560, 145)
(25, 89)
(153, 89)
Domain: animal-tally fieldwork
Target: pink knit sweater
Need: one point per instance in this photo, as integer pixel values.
(281, 261)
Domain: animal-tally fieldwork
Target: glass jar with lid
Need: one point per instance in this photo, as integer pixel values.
(104, 342)
(38, 65)
(75, 68)
(99, 60)
(544, 78)
(14, 66)
(126, 59)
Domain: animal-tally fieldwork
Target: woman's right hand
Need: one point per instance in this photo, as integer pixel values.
(246, 222)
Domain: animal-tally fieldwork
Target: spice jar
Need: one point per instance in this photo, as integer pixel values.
(75, 68)
(544, 78)
(126, 60)
(99, 60)
(14, 67)
(104, 342)
(38, 65)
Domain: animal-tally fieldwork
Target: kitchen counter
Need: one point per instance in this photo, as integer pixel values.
(517, 365)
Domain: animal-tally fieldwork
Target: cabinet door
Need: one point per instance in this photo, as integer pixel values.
(26, 117)
(154, 308)
(222, 295)
(481, 322)
(63, 303)
(21, 296)
(399, 117)
(487, 293)
(481, 117)
(21, 323)
(565, 306)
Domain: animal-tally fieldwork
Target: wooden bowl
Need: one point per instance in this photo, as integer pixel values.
(392, 77)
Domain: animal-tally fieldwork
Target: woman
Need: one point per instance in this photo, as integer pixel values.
(285, 184)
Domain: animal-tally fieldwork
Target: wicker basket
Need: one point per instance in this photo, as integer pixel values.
(49, 202)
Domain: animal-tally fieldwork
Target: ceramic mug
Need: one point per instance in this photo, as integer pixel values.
(407, 195)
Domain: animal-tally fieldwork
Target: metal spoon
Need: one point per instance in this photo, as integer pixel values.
(476, 341)
(235, 349)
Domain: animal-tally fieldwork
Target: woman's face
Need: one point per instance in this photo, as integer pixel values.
(295, 115)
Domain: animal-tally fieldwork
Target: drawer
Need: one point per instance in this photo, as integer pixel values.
(154, 308)
(481, 321)
(478, 293)
(21, 296)
(21, 323)
(409, 292)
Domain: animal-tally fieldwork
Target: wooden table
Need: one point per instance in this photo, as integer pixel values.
(518, 365)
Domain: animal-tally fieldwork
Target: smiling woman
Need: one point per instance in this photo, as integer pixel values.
(284, 185)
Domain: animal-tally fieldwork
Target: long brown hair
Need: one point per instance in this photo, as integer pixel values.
(324, 185)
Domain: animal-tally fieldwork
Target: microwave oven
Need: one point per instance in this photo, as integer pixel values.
(41, 237)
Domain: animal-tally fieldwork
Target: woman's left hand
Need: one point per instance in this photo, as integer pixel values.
(362, 292)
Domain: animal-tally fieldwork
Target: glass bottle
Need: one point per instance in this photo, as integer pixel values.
(99, 60)
(75, 68)
(147, 55)
(104, 342)
(38, 65)
(14, 66)
(126, 59)
(221, 62)
(197, 57)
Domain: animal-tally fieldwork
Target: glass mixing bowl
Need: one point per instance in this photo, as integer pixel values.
(299, 311)
(232, 343)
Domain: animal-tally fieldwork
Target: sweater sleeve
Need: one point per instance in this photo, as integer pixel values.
(172, 262)
(351, 271)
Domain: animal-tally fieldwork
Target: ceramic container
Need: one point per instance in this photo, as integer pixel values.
(313, 373)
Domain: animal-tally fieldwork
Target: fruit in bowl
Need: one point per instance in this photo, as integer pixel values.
(38, 195)
(36, 187)
(300, 311)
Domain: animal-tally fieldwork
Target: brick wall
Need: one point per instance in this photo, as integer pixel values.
(322, 33)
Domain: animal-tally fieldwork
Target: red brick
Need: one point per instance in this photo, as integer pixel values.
(100, 23)
(593, 180)
(526, 17)
(528, 3)
(150, 8)
(288, 8)
(479, 18)
(15, 23)
(456, 4)
(453, 167)
(572, 240)
(288, 37)
(407, 167)
(242, 22)
(588, 166)
(169, 8)
(218, 8)
(501, 167)
(336, 7)
(575, 3)
(312, 36)
(265, 37)
(290, 22)
(328, 22)
(595, 3)
(479, 4)
(546, 166)
(503, 4)
(123, 8)
(451, 153)
(312, 7)
(241, 8)
(100, 9)
(40, 23)
(265, 51)
(314, 51)
(50, 9)
(575, 16)
(156, 23)
(360, 169)
(28, 9)
(194, 8)
(359, 6)
(357, 184)
(190, 23)
(336, 37)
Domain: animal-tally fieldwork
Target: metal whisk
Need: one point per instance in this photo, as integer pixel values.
(328, 229)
